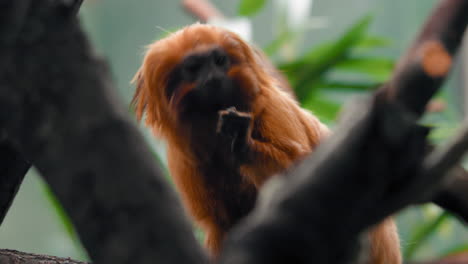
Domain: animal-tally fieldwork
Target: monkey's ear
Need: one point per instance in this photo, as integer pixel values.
(140, 98)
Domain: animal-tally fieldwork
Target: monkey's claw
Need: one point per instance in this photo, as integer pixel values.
(234, 127)
(232, 123)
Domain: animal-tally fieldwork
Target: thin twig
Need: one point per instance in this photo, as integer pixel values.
(202, 9)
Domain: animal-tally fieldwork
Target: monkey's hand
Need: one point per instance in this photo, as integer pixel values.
(234, 127)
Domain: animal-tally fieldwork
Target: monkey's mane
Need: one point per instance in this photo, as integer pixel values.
(163, 56)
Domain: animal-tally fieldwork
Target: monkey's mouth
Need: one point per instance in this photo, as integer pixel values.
(196, 102)
(207, 98)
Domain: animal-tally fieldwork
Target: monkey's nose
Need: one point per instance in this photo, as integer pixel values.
(213, 82)
(216, 89)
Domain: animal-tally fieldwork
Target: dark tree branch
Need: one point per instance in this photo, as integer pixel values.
(11, 23)
(13, 167)
(454, 195)
(371, 167)
(442, 160)
(16, 257)
(57, 102)
(352, 181)
(425, 65)
(70, 7)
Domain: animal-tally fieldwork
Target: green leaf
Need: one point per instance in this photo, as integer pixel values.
(348, 85)
(325, 110)
(455, 250)
(352, 36)
(319, 60)
(370, 42)
(250, 7)
(314, 54)
(276, 44)
(441, 132)
(379, 69)
(422, 233)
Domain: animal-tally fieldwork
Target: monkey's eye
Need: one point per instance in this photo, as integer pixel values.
(191, 67)
(221, 59)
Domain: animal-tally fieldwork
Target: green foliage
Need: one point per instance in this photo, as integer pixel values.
(324, 68)
(316, 62)
(427, 232)
(377, 68)
(276, 44)
(455, 250)
(250, 7)
(441, 234)
(329, 73)
(422, 232)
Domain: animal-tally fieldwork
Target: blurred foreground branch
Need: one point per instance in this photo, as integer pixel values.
(57, 103)
(371, 167)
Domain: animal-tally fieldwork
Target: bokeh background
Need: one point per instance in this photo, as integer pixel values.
(330, 49)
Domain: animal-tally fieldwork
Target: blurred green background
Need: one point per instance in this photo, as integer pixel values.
(338, 49)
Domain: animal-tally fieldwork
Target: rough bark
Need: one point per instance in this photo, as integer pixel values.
(16, 257)
(13, 167)
(57, 103)
(454, 196)
(427, 62)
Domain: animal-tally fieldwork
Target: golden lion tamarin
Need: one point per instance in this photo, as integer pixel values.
(230, 123)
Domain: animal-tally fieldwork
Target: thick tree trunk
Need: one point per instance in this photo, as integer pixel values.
(58, 105)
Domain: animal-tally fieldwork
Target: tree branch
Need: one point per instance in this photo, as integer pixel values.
(422, 69)
(57, 102)
(445, 158)
(16, 257)
(454, 195)
(370, 168)
(13, 167)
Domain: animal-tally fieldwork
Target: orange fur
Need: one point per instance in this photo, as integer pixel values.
(281, 133)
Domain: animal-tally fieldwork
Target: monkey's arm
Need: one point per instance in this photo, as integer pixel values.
(269, 142)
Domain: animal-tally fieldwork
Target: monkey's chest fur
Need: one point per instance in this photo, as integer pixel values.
(232, 195)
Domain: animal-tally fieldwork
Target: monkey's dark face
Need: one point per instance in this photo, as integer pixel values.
(200, 84)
